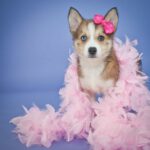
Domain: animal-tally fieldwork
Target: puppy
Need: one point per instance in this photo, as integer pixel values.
(98, 67)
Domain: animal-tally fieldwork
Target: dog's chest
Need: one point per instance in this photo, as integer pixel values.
(92, 79)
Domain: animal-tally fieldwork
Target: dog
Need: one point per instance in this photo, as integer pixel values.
(98, 67)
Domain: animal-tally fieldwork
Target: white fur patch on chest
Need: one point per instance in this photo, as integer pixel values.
(92, 79)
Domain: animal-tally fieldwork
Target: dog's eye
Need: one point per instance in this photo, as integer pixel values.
(83, 38)
(101, 38)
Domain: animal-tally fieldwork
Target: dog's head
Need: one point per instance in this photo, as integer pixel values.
(90, 39)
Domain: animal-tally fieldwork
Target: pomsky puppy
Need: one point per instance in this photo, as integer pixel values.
(98, 67)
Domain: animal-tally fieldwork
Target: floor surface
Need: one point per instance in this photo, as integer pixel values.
(11, 106)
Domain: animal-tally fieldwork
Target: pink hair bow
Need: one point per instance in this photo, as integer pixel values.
(107, 25)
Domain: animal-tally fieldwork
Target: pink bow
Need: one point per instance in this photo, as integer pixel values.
(107, 25)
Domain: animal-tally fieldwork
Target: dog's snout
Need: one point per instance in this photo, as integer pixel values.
(92, 50)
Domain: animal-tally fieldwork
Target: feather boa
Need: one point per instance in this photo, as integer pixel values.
(118, 121)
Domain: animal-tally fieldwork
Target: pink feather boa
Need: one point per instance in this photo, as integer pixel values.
(118, 121)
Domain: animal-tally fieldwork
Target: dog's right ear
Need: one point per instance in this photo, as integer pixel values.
(74, 19)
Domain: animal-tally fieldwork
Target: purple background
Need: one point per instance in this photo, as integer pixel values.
(34, 47)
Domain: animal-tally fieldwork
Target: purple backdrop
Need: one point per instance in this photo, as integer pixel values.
(34, 47)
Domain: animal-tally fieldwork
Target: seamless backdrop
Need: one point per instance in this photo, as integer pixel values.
(34, 47)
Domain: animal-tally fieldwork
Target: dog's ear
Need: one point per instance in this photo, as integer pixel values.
(74, 19)
(112, 15)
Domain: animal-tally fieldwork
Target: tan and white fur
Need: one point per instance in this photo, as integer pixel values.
(98, 67)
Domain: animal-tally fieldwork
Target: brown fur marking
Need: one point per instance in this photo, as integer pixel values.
(111, 70)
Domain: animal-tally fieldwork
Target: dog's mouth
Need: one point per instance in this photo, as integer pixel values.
(92, 56)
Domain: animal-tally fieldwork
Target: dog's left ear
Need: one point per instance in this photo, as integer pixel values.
(74, 19)
(112, 15)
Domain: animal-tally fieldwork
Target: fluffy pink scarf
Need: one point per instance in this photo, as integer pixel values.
(118, 121)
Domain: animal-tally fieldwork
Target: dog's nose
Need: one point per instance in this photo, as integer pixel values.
(92, 50)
